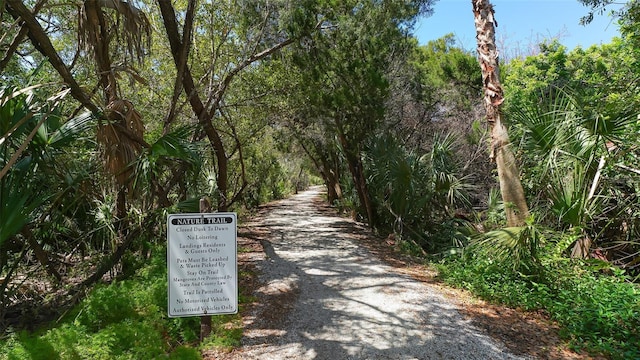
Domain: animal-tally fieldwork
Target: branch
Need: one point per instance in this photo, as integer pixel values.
(41, 42)
(243, 174)
(224, 84)
(635, 171)
(181, 63)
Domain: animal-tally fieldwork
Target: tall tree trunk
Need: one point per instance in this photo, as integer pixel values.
(508, 174)
(357, 173)
(180, 52)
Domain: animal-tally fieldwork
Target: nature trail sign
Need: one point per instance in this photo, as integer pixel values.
(202, 264)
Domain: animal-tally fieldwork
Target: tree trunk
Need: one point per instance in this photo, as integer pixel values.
(332, 181)
(43, 44)
(357, 172)
(323, 165)
(508, 174)
(180, 52)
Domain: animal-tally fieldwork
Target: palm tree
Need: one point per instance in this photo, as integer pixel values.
(571, 149)
(120, 127)
(516, 210)
(121, 132)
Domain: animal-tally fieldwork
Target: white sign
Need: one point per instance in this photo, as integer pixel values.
(202, 264)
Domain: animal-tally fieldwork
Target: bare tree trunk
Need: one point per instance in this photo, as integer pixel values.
(206, 114)
(180, 51)
(512, 193)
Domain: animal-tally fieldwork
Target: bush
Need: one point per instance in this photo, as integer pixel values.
(107, 305)
(123, 320)
(599, 313)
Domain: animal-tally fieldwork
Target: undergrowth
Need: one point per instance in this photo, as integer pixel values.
(597, 309)
(124, 320)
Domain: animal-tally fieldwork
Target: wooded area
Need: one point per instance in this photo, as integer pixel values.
(115, 113)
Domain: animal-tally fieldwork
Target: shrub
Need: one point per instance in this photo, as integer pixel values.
(598, 312)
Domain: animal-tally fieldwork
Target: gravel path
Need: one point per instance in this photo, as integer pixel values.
(332, 299)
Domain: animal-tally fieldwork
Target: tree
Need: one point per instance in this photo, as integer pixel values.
(516, 207)
(576, 115)
(70, 212)
(257, 48)
(600, 7)
(344, 69)
(121, 132)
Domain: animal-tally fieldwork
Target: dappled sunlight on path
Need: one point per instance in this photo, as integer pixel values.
(326, 297)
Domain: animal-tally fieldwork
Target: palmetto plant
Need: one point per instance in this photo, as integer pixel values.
(568, 150)
(174, 152)
(416, 192)
(518, 246)
(121, 131)
(22, 144)
(35, 183)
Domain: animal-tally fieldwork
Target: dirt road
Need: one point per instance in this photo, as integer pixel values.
(324, 296)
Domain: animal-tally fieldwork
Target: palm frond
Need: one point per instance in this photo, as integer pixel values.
(17, 202)
(177, 144)
(119, 149)
(169, 149)
(516, 245)
(129, 24)
(70, 130)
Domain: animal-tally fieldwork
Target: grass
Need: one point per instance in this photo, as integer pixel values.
(598, 312)
(124, 320)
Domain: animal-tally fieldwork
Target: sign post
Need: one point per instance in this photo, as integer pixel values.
(202, 264)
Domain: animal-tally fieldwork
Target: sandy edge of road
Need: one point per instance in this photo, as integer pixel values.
(328, 289)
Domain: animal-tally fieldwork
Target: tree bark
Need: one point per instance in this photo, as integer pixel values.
(204, 117)
(43, 44)
(357, 172)
(511, 189)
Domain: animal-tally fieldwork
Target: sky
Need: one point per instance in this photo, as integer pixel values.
(521, 24)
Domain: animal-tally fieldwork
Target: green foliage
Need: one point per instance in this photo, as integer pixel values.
(185, 353)
(271, 174)
(597, 312)
(575, 128)
(575, 118)
(336, 89)
(518, 246)
(442, 68)
(107, 304)
(417, 194)
(223, 337)
(124, 320)
(18, 197)
(27, 347)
